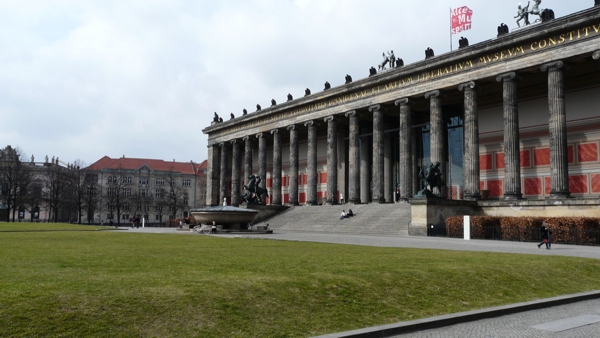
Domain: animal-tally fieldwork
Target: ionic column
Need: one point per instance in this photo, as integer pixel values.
(353, 158)
(212, 176)
(311, 164)
(293, 164)
(512, 156)
(331, 160)
(262, 163)
(223, 174)
(437, 138)
(387, 169)
(276, 175)
(405, 162)
(377, 173)
(365, 170)
(247, 158)
(559, 164)
(471, 135)
(235, 173)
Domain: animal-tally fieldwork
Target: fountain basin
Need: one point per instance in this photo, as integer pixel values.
(228, 216)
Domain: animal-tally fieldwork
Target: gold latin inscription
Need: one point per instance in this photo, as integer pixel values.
(502, 55)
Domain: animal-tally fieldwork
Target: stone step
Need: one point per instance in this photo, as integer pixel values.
(392, 219)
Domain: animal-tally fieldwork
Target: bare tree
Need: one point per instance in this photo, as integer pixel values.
(15, 176)
(34, 198)
(85, 191)
(175, 197)
(118, 192)
(57, 192)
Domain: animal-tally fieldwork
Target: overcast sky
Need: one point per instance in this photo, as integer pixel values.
(82, 79)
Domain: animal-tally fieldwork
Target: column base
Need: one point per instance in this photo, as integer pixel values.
(513, 196)
(475, 196)
(559, 195)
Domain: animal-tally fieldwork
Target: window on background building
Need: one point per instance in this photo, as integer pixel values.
(160, 181)
(138, 207)
(144, 193)
(127, 180)
(112, 179)
(185, 201)
(125, 217)
(127, 192)
(147, 209)
(126, 206)
(157, 218)
(110, 191)
(159, 193)
(143, 181)
(186, 182)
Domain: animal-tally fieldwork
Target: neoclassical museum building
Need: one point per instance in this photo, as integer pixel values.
(514, 122)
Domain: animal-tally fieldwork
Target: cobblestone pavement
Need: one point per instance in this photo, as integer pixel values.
(555, 321)
(522, 324)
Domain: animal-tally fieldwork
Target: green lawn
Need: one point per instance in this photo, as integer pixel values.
(121, 284)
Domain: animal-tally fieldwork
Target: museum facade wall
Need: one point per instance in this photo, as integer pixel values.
(514, 117)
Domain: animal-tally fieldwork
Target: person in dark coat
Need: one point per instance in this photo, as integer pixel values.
(545, 235)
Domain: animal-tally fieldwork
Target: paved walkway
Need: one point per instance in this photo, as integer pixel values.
(548, 318)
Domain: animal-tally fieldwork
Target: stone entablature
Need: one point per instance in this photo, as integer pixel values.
(570, 36)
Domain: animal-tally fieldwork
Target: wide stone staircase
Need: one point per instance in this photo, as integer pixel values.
(382, 219)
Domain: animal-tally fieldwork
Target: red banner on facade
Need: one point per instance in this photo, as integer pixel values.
(461, 19)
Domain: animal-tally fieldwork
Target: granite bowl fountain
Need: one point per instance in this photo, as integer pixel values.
(230, 218)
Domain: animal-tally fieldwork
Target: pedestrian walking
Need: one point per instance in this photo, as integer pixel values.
(545, 235)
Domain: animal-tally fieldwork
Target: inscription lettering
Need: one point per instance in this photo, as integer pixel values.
(430, 75)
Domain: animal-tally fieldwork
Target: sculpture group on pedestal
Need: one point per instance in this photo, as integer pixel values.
(543, 14)
(252, 191)
(431, 177)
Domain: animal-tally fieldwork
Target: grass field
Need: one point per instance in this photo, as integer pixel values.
(121, 284)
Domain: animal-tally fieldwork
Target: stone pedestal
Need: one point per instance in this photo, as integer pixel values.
(426, 212)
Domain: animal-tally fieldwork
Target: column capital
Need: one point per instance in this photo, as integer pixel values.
(245, 138)
(234, 141)
(375, 107)
(292, 127)
(403, 101)
(259, 135)
(329, 118)
(596, 55)
(310, 123)
(506, 77)
(274, 131)
(433, 93)
(552, 66)
(350, 113)
(466, 86)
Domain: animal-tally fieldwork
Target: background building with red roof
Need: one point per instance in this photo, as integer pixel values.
(155, 190)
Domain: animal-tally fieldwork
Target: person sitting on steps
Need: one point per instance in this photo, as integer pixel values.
(343, 215)
(350, 213)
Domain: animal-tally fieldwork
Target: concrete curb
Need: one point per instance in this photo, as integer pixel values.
(461, 317)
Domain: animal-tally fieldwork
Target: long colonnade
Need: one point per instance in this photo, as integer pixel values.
(339, 115)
